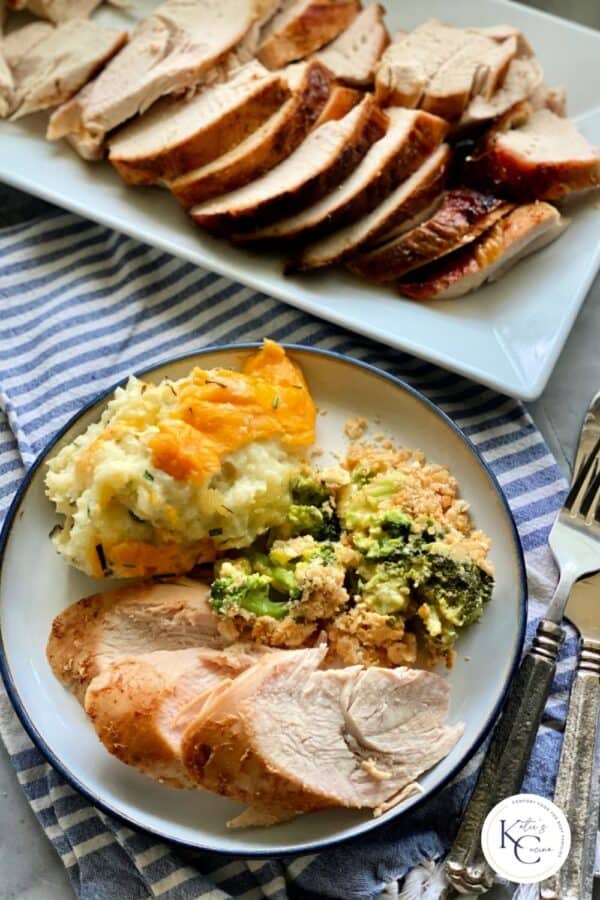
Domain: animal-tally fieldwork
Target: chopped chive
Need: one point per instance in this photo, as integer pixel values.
(148, 475)
(102, 559)
(275, 402)
(215, 531)
(298, 387)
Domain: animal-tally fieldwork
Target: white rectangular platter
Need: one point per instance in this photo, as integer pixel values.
(507, 335)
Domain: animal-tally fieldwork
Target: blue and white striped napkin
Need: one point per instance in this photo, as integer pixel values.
(81, 307)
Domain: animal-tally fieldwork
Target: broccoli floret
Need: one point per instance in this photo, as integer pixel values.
(458, 590)
(251, 593)
(308, 490)
(282, 580)
(321, 523)
(387, 591)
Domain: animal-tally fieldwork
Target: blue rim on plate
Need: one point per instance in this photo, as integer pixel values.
(96, 801)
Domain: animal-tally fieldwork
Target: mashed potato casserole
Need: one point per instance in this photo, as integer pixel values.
(174, 472)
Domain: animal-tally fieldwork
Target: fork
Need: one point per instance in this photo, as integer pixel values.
(575, 544)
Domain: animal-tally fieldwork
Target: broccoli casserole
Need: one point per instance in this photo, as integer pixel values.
(177, 472)
(379, 554)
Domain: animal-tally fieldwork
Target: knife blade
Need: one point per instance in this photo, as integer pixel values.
(576, 782)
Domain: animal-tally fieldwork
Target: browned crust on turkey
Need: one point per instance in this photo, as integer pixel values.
(426, 134)
(209, 142)
(369, 127)
(511, 174)
(463, 216)
(421, 200)
(340, 101)
(319, 23)
(439, 277)
(124, 714)
(294, 121)
(77, 645)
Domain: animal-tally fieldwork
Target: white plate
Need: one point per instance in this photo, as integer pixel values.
(507, 335)
(35, 584)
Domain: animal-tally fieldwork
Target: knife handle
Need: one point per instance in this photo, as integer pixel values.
(506, 758)
(574, 790)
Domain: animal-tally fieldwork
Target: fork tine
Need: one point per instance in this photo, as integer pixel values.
(589, 505)
(580, 484)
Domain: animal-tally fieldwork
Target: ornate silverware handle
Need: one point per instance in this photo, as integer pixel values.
(506, 759)
(574, 784)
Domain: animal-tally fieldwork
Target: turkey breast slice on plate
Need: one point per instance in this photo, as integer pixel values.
(463, 215)
(141, 705)
(15, 47)
(310, 84)
(535, 154)
(61, 10)
(89, 635)
(175, 136)
(411, 61)
(340, 101)
(58, 62)
(286, 737)
(321, 162)
(303, 26)
(523, 76)
(410, 199)
(175, 48)
(523, 231)
(6, 87)
(411, 136)
(353, 56)
(477, 68)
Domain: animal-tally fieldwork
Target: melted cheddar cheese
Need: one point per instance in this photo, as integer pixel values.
(219, 411)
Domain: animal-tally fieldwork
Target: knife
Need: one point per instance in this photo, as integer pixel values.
(506, 759)
(576, 784)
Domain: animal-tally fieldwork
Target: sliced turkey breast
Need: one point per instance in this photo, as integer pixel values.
(522, 78)
(302, 27)
(59, 11)
(535, 154)
(310, 84)
(410, 199)
(523, 231)
(412, 60)
(554, 99)
(55, 67)
(285, 738)
(6, 87)
(340, 101)
(87, 636)
(175, 136)
(320, 163)
(20, 42)
(462, 217)
(141, 705)
(175, 48)
(411, 136)
(477, 68)
(354, 55)
(441, 68)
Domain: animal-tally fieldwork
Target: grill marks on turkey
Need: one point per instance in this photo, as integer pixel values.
(257, 116)
(266, 727)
